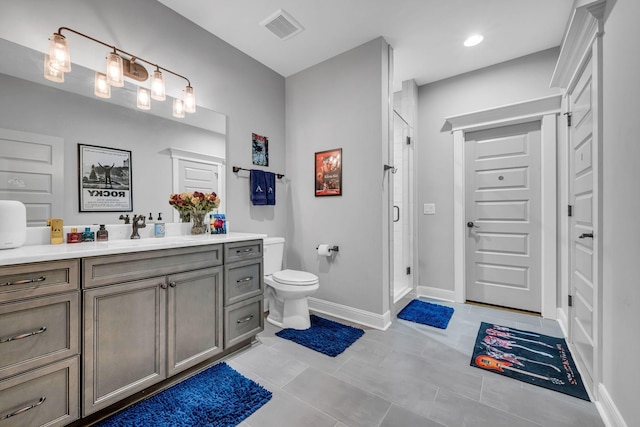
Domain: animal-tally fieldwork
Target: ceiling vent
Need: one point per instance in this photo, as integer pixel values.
(282, 25)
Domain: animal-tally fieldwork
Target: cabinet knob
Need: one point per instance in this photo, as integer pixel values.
(163, 285)
(172, 284)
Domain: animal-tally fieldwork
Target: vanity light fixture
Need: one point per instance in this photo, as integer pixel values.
(120, 64)
(101, 88)
(473, 40)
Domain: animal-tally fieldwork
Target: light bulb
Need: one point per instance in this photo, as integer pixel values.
(52, 71)
(189, 100)
(59, 52)
(178, 108)
(101, 88)
(115, 74)
(144, 100)
(157, 86)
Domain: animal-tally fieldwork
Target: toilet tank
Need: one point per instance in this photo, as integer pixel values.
(273, 248)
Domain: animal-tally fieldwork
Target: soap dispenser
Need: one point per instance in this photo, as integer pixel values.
(158, 227)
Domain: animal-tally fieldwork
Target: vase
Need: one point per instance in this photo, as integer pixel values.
(198, 226)
(185, 216)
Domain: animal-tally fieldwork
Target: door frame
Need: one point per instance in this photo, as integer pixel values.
(545, 110)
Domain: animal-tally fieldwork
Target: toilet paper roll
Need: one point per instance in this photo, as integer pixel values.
(323, 250)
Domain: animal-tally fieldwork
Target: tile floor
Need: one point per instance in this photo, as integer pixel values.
(410, 375)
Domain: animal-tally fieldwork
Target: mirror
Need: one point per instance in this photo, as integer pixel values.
(43, 123)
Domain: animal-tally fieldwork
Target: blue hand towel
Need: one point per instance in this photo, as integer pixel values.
(271, 187)
(258, 187)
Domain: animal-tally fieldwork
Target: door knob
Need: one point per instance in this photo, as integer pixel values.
(470, 224)
(583, 235)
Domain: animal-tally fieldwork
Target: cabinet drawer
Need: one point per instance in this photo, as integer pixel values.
(38, 279)
(240, 251)
(46, 396)
(105, 270)
(243, 320)
(242, 280)
(38, 331)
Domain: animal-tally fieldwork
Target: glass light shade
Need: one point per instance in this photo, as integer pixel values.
(144, 98)
(59, 52)
(178, 108)
(52, 71)
(101, 88)
(115, 74)
(189, 100)
(157, 86)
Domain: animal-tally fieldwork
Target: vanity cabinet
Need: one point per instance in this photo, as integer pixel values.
(39, 344)
(148, 316)
(243, 291)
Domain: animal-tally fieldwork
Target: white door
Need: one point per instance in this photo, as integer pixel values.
(196, 176)
(583, 163)
(503, 238)
(32, 171)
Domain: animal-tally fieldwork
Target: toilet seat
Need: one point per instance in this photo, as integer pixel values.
(295, 278)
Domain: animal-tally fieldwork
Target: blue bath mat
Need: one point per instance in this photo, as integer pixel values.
(327, 337)
(217, 397)
(427, 313)
(527, 356)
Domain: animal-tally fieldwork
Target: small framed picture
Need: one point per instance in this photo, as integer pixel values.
(260, 149)
(104, 179)
(328, 172)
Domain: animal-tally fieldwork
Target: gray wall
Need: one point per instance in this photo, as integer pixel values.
(225, 79)
(621, 229)
(341, 103)
(510, 82)
(82, 120)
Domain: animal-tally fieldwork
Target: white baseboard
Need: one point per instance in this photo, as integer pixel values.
(608, 410)
(366, 318)
(563, 321)
(429, 292)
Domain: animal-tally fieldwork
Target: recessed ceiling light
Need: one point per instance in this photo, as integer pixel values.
(473, 40)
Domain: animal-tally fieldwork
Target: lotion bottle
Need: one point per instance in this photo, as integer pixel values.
(158, 227)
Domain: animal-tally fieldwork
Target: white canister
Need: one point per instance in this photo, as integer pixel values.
(13, 224)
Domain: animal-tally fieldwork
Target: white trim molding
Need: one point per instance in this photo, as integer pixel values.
(544, 110)
(436, 293)
(608, 410)
(355, 315)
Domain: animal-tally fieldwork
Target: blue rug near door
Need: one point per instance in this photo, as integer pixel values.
(325, 336)
(427, 313)
(527, 356)
(217, 397)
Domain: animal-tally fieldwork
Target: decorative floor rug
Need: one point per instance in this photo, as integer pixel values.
(325, 336)
(427, 313)
(527, 356)
(217, 397)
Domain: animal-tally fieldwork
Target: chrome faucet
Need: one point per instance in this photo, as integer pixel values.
(139, 221)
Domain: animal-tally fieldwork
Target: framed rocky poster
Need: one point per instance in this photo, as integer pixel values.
(104, 179)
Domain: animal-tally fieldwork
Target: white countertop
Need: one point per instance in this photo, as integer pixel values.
(45, 252)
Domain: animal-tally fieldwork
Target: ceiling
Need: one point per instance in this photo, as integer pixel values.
(426, 35)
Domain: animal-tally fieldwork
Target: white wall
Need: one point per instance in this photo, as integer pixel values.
(621, 228)
(225, 79)
(341, 103)
(513, 81)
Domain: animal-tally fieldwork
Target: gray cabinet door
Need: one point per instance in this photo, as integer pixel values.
(124, 344)
(194, 318)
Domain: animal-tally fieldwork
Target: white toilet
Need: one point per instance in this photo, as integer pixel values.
(286, 291)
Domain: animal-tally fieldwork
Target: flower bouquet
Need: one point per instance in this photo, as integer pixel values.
(194, 206)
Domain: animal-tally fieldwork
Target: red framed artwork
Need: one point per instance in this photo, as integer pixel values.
(328, 172)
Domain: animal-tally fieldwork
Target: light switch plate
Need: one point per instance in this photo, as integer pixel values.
(429, 209)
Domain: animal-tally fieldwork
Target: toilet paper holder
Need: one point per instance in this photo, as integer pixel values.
(331, 249)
